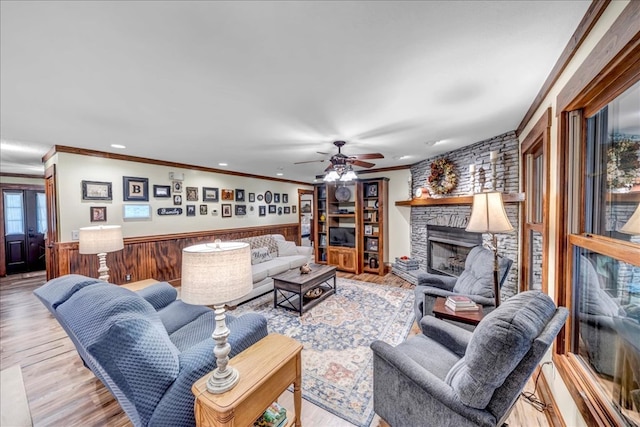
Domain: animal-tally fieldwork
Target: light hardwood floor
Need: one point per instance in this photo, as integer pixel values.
(62, 392)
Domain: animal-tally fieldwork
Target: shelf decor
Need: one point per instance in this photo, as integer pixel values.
(442, 179)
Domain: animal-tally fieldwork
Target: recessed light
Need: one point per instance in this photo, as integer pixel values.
(279, 174)
(118, 146)
(223, 164)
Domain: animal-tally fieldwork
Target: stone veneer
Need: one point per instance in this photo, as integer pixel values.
(507, 174)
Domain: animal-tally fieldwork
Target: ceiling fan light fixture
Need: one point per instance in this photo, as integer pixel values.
(348, 176)
(331, 176)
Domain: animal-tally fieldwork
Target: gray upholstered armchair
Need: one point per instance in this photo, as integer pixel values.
(454, 377)
(476, 282)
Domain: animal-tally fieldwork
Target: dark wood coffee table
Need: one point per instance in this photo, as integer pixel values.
(441, 311)
(290, 287)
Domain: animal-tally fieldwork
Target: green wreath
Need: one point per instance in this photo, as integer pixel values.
(443, 178)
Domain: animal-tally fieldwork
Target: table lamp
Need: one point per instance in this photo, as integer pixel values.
(101, 240)
(214, 274)
(488, 216)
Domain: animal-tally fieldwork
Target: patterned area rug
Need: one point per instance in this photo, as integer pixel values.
(337, 363)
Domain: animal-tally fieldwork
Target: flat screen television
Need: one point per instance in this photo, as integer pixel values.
(342, 236)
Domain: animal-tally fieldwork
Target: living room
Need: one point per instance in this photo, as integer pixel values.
(534, 164)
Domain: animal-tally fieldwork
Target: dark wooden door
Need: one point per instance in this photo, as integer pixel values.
(25, 225)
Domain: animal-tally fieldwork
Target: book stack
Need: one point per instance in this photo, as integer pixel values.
(406, 264)
(274, 416)
(460, 303)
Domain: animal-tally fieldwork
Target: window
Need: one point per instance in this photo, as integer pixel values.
(13, 213)
(41, 213)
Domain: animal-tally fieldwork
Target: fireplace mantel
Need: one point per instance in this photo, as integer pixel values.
(456, 200)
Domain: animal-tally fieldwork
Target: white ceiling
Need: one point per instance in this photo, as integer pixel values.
(262, 85)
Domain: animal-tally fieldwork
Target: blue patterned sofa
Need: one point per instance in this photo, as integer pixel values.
(146, 347)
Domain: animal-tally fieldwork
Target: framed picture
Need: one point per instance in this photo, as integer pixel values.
(276, 197)
(209, 194)
(372, 245)
(260, 197)
(192, 195)
(98, 213)
(239, 195)
(204, 209)
(133, 212)
(241, 210)
(161, 191)
(177, 199)
(177, 186)
(272, 209)
(294, 209)
(372, 190)
(262, 210)
(96, 190)
(268, 197)
(191, 210)
(135, 189)
(323, 240)
(285, 198)
(368, 230)
(279, 210)
(226, 210)
(227, 194)
(252, 197)
(287, 210)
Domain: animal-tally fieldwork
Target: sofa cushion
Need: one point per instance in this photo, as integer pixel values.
(286, 248)
(159, 295)
(259, 272)
(295, 261)
(58, 290)
(196, 330)
(260, 255)
(260, 242)
(276, 266)
(477, 277)
(497, 346)
(179, 313)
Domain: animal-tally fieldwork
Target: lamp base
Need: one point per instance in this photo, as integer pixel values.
(219, 382)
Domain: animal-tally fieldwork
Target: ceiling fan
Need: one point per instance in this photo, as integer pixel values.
(339, 160)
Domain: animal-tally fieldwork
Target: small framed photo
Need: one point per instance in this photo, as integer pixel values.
(226, 210)
(209, 194)
(276, 197)
(227, 194)
(177, 186)
(177, 199)
(192, 195)
(285, 198)
(95, 190)
(160, 191)
(323, 240)
(98, 213)
(262, 210)
(368, 230)
(239, 195)
(191, 210)
(252, 197)
(294, 209)
(272, 209)
(136, 212)
(287, 210)
(241, 210)
(372, 245)
(204, 209)
(135, 189)
(372, 190)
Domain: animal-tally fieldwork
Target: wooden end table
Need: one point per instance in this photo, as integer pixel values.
(441, 311)
(266, 369)
(290, 287)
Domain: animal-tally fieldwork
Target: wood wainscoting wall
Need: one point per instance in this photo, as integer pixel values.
(154, 257)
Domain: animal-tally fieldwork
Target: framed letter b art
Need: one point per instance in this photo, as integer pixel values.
(135, 189)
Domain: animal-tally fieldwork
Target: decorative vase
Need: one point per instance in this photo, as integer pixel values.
(322, 217)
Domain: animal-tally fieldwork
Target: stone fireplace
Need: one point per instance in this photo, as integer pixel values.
(448, 247)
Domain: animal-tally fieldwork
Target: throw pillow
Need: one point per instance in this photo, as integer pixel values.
(286, 248)
(260, 255)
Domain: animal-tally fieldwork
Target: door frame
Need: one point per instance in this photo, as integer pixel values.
(302, 192)
(3, 260)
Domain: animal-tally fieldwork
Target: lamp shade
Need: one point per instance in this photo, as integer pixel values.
(100, 239)
(632, 226)
(216, 273)
(488, 214)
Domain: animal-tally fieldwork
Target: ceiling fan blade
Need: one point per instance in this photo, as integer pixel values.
(368, 156)
(329, 168)
(323, 153)
(309, 161)
(362, 164)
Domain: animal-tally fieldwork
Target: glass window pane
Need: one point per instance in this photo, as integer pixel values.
(538, 183)
(607, 309)
(13, 213)
(535, 261)
(41, 212)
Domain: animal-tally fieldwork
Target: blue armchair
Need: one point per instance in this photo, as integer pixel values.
(147, 347)
(453, 377)
(475, 282)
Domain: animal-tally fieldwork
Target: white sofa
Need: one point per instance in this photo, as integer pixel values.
(282, 255)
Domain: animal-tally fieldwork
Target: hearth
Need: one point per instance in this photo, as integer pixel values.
(448, 247)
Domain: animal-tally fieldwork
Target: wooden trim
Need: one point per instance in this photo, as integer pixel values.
(625, 251)
(457, 200)
(613, 54)
(115, 156)
(589, 19)
(21, 175)
(554, 417)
